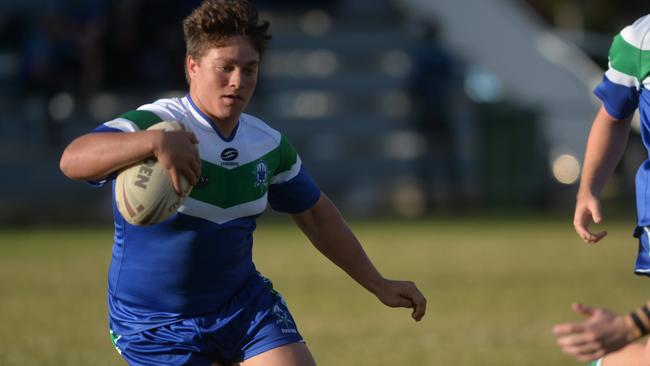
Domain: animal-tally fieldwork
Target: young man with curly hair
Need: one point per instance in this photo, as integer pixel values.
(186, 291)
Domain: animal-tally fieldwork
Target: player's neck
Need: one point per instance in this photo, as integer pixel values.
(225, 127)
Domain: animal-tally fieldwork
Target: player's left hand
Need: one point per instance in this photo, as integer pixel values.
(602, 332)
(403, 294)
(587, 211)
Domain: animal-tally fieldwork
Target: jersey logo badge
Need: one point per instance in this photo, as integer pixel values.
(261, 175)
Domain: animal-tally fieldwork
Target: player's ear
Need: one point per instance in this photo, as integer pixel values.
(191, 66)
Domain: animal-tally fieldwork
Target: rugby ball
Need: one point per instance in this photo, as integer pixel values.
(144, 194)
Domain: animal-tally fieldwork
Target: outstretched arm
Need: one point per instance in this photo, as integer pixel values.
(605, 147)
(326, 229)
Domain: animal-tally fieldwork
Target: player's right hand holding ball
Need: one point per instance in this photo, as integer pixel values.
(177, 152)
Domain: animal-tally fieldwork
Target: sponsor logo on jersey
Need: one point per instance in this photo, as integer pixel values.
(228, 155)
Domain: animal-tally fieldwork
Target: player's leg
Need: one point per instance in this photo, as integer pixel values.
(295, 354)
(626, 356)
(645, 358)
(173, 344)
(272, 337)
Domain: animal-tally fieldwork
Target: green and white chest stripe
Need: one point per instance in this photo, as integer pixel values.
(629, 56)
(235, 188)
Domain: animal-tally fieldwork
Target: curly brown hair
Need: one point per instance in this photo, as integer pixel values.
(215, 21)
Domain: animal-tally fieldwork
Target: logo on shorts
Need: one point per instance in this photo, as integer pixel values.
(114, 339)
(284, 319)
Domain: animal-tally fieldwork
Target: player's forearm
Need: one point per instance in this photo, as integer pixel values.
(605, 148)
(328, 232)
(97, 155)
(638, 322)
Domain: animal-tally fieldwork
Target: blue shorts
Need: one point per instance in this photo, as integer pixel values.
(230, 335)
(642, 265)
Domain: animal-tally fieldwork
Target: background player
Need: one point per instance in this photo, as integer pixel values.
(622, 91)
(186, 291)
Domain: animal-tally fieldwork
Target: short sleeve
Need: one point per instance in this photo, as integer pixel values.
(621, 85)
(132, 121)
(292, 189)
(137, 120)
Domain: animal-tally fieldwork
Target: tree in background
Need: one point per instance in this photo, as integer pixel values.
(607, 16)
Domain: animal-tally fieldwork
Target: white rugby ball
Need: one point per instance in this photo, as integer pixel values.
(144, 193)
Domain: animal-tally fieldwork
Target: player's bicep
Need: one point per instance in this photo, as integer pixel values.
(100, 182)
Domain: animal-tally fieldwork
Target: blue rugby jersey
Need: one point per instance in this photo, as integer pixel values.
(625, 88)
(200, 257)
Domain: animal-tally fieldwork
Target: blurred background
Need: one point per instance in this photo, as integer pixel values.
(399, 108)
(450, 132)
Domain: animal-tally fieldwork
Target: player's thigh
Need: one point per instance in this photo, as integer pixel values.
(629, 355)
(172, 344)
(645, 359)
(294, 354)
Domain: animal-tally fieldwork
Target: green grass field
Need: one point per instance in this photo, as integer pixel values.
(494, 288)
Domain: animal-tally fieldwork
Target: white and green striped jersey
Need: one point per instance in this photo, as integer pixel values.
(201, 256)
(625, 88)
(629, 69)
(235, 172)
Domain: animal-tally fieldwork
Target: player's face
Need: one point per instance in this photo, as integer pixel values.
(223, 80)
